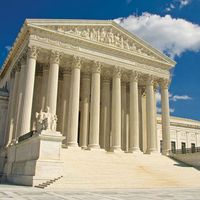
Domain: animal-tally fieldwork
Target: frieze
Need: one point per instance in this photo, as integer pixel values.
(106, 35)
(138, 65)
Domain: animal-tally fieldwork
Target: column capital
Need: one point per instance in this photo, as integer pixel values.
(116, 72)
(76, 62)
(134, 76)
(32, 52)
(106, 75)
(66, 71)
(12, 74)
(150, 80)
(55, 57)
(96, 67)
(18, 66)
(164, 83)
(142, 90)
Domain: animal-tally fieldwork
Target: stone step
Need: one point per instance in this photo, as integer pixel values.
(99, 169)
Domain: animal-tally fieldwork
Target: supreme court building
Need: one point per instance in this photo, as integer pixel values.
(87, 84)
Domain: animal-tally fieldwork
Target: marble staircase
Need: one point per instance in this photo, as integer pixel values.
(97, 169)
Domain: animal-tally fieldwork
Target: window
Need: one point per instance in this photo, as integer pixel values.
(173, 146)
(183, 147)
(193, 147)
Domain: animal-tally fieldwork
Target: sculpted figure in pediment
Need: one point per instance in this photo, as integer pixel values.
(93, 34)
(102, 35)
(126, 44)
(117, 40)
(110, 37)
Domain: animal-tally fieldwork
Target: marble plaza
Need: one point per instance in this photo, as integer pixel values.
(83, 85)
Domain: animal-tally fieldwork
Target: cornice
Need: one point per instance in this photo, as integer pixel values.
(28, 28)
(181, 122)
(75, 22)
(99, 46)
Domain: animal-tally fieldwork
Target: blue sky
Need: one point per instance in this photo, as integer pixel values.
(173, 26)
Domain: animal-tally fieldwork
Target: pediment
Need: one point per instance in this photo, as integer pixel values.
(107, 33)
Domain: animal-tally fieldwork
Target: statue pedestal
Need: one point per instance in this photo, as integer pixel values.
(36, 159)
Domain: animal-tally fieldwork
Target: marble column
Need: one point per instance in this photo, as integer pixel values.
(36, 106)
(95, 107)
(11, 130)
(105, 112)
(85, 105)
(155, 115)
(45, 74)
(142, 119)
(19, 95)
(73, 115)
(52, 88)
(123, 113)
(28, 91)
(134, 113)
(116, 110)
(8, 134)
(150, 104)
(65, 102)
(165, 117)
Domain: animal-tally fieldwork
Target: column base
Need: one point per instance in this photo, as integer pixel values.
(72, 144)
(135, 150)
(93, 147)
(152, 151)
(115, 149)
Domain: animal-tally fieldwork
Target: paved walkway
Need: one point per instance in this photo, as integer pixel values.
(8, 192)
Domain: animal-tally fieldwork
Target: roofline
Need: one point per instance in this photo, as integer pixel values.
(57, 21)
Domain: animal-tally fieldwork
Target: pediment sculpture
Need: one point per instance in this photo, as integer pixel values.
(106, 35)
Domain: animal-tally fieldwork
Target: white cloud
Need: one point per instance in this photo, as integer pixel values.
(172, 36)
(170, 7)
(171, 98)
(159, 110)
(8, 47)
(158, 97)
(178, 97)
(184, 3)
(171, 110)
(177, 4)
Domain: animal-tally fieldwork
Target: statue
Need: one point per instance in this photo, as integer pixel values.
(117, 40)
(110, 37)
(102, 35)
(93, 34)
(126, 44)
(46, 120)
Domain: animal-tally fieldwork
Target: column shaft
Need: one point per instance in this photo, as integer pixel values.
(151, 139)
(116, 110)
(85, 105)
(124, 112)
(28, 91)
(52, 89)
(65, 103)
(105, 114)
(165, 118)
(95, 107)
(72, 133)
(8, 134)
(18, 106)
(44, 87)
(134, 114)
